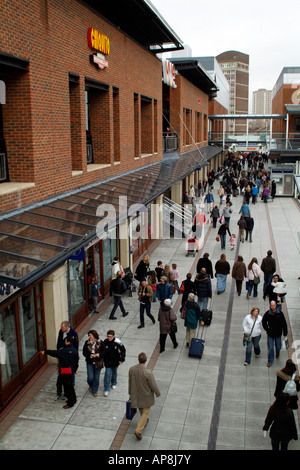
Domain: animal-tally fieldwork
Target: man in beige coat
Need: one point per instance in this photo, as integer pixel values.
(142, 387)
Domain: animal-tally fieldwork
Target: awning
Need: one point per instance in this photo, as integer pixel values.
(192, 70)
(38, 238)
(141, 21)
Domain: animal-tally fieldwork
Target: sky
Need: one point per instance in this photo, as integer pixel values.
(266, 30)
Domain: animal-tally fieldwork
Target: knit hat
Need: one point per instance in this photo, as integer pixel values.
(163, 278)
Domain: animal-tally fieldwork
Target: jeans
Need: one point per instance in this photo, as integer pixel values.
(110, 377)
(223, 241)
(221, 282)
(148, 310)
(271, 342)
(202, 302)
(154, 296)
(255, 343)
(93, 377)
(117, 303)
(267, 280)
(249, 232)
(251, 285)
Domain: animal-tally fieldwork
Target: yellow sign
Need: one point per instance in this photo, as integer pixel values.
(98, 41)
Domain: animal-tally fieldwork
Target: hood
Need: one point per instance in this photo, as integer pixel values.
(165, 307)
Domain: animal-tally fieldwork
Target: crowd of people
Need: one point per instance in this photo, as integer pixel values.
(246, 176)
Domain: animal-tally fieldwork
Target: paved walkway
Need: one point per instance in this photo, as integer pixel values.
(214, 403)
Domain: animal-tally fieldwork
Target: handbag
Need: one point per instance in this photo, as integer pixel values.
(174, 327)
(182, 287)
(290, 387)
(183, 313)
(130, 412)
(247, 336)
(65, 370)
(256, 279)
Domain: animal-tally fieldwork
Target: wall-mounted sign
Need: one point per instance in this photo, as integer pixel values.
(100, 42)
(169, 73)
(99, 61)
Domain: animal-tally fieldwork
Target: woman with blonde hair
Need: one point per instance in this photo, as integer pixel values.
(252, 333)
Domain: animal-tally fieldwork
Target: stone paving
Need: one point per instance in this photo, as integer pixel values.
(215, 403)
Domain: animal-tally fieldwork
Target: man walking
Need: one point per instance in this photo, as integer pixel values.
(275, 325)
(249, 227)
(142, 388)
(164, 290)
(114, 355)
(268, 267)
(118, 287)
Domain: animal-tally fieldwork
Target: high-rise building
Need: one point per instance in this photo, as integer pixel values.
(262, 101)
(261, 104)
(235, 66)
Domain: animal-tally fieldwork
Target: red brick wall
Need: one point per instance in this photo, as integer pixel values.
(38, 124)
(187, 96)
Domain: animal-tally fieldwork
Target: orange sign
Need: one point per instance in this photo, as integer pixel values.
(98, 41)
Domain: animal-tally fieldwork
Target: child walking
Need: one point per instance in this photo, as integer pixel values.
(232, 241)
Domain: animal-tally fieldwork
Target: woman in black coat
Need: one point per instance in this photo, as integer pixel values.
(142, 269)
(283, 375)
(280, 419)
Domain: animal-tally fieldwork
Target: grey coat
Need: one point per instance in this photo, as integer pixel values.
(142, 387)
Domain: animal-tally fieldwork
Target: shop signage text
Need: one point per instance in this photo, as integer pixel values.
(98, 41)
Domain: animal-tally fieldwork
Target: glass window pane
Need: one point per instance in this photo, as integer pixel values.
(76, 291)
(8, 344)
(28, 326)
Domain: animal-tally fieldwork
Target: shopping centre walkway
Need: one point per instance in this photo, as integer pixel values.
(214, 403)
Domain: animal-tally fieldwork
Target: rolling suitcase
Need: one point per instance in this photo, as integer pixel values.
(197, 346)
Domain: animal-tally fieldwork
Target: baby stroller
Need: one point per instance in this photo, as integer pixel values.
(191, 247)
(128, 279)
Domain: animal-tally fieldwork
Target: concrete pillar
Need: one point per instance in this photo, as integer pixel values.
(55, 305)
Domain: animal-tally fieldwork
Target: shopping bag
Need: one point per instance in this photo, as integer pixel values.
(130, 412)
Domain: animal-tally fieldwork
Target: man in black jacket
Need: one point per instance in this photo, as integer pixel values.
(249, 227)
(275, 325)
(68, 357)
(205, 263)
(118, 287)
(114, 355)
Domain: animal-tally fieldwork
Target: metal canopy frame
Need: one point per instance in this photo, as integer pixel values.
(76, 222)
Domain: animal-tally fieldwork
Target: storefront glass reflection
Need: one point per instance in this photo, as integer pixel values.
(8, 344)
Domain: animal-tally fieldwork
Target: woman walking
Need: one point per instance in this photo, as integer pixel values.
(239, 273)
(93, 351)
(283, 376)
(253, 275)
(252, 328)
(167, 321)
(281, 419)
(222, 268)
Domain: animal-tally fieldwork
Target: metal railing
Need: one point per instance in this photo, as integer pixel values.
(170, 141)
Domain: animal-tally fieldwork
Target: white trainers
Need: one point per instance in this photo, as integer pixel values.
(114, 387)
(105, 394)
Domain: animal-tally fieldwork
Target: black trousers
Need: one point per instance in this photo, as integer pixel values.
(162, 340)
(67, 381)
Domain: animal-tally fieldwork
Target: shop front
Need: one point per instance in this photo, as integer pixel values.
(22, 336)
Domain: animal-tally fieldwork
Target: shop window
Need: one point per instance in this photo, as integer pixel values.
(28, 325)
(8, 344)
(76, 281)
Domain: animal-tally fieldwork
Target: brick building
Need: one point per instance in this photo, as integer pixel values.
(81, 126)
